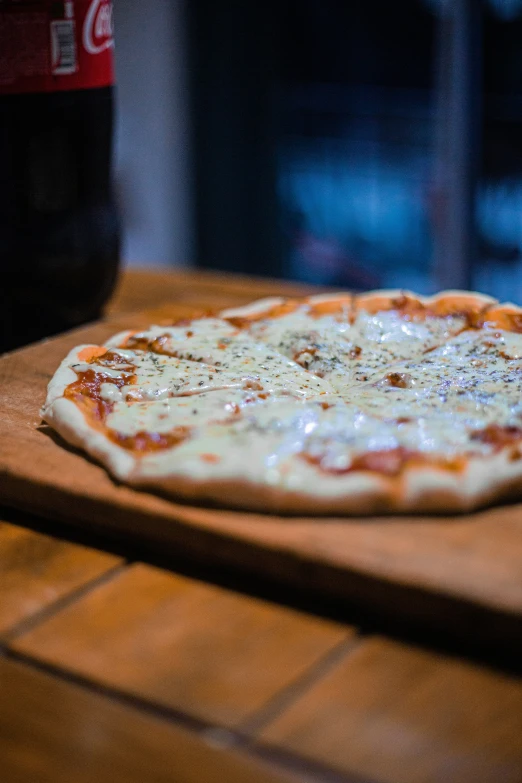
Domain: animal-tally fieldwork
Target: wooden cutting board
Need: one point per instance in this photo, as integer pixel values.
(458, 574)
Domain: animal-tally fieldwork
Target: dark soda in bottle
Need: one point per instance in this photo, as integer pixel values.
(59, 233)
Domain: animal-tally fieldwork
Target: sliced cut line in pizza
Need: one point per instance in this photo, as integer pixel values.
(420, 412)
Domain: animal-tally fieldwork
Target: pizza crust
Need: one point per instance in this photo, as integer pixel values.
(373, 301)
(442, 303)
(430, 490)
(256, 308)
(417, 489)
(69, 421)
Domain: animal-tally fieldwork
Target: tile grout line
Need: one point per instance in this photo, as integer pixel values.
(252, 725)
(225, 737)
(47, 612)
(212, 734)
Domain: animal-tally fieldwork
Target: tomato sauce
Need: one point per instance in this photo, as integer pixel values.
(500, 319)
(158, 345)
(147, 442)
(86, 393)
(388, 462)
(498, 435)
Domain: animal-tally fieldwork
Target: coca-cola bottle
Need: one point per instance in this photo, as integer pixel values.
(59, 237)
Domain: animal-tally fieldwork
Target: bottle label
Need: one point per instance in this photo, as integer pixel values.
(51, 45)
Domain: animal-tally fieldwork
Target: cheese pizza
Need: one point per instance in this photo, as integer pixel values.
(337, 404)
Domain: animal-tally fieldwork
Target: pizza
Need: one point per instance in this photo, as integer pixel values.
(338, 404)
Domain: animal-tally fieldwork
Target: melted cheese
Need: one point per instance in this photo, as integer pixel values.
(347, 354)
(289, 397)
(470, 378)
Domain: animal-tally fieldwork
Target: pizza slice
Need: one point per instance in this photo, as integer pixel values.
(229, 350)
(394, 325)
(349, 341)
(125, 405)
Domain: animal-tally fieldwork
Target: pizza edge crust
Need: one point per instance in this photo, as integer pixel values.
(456, 297)
(68, 420)
(370, 300)
(427, 489)
(117, 340)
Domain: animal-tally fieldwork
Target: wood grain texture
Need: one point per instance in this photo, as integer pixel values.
(461, 575)
(143, 289)
(56, 732)
(396, 713)
(36, 570)
(209, 652)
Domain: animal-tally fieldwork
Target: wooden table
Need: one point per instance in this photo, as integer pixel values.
(115, 669)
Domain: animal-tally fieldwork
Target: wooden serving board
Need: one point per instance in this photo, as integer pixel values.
(458, 574)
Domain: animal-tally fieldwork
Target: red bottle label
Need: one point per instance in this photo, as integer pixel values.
(49, 46)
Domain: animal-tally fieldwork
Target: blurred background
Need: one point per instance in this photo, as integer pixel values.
(359, 144)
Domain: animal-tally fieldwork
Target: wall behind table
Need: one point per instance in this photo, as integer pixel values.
(152, 158)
